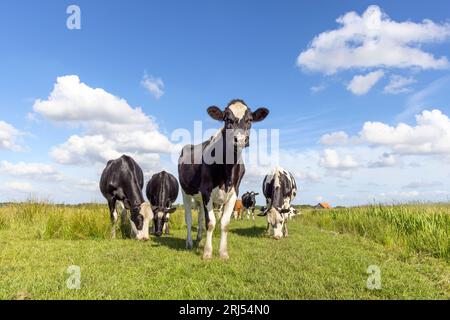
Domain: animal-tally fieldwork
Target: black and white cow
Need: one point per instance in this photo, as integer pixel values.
(121, 184)
(211, 172)
(280, 189)
(249, 203)
(162, 191)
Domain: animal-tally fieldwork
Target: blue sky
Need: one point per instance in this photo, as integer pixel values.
(338, 109)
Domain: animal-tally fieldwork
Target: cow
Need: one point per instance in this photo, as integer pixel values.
(237, 210)
(121, 184)
(162, 191)
(279, 188)
(212, 171)
(249, 202)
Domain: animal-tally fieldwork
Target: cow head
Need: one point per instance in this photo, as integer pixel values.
(253, 195)
(140, 220)
(161, 217)
(238, 119)
(276, 218)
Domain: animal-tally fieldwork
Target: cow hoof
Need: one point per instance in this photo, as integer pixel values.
(189, 245)
(224, 256)
(207, 256)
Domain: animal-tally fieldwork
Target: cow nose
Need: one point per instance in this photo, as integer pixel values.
(277, 237)
(158, 233)
(145, 239)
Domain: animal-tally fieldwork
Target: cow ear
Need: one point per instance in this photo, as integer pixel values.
(284, 210)
(215, 113)
(263, 212)
(256, 193)
(172, 210)
(260, 114)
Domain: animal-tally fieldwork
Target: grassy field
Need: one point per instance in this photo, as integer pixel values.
(326, 256)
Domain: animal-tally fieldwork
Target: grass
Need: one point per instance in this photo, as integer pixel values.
(325, 257)
(415, 228)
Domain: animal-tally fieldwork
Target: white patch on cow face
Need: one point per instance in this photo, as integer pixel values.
(276, 220)
(238, 109)
(146, 211)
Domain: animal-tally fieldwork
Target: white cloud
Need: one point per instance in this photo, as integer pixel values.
(373, 40)
(153, 85)
(30, 170)
(9, 137)
(111, 126)
(317, 89)
(423, 184)
(398, 84)
(360, 85)
(18, 186)
(431, 135)
(335, 138)
(332, 160)
(385, 160)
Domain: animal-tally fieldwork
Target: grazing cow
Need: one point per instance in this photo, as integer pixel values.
(121, 184)
(212, 171)
(249, 202)
(237, 211)
(162, 191)
(280, 189)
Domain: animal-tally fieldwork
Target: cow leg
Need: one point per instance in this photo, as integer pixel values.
(120, 208)
(207, 253)
(248, 214)
(286, 233)
(201, 214)
(253, 213)
(113, 217)
(268, 229)
(188, 218)
(224, 224)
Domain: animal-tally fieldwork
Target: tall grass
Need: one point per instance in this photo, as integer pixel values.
(42, 220)
(418, 228)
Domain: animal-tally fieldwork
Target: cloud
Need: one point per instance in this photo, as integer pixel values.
(30, 170)
(423, 184)
(430, 135)
(18, 186)
(335, 138)
(153, 85)
(422, 99)
(9, 137)
(317, 89)
(332, 160)
(385, 160)
(111, 127)
(398, 84)
(360, 85)
(373, 40)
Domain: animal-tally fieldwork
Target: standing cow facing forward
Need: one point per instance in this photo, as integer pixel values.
(212, 171)
(280, 189)
(121, 184)
(162, 191)
(249, 202)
